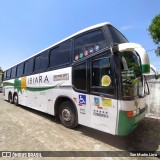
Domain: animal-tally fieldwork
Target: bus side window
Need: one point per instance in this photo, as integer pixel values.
(54, 57)
(61, 54)
(20, 70)
(89, 43)
(8, 73)
(13, 72)
(80, 76)
(102, 77)
(65, 52)
(28, 66)
(5, 75)
(37, 63)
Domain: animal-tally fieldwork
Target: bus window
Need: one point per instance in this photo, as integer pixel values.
(88, 44)
(20, 69)
(13, 72)
(117, 37)
(54, 57)
(41, 62)
(5, 75)
(131, 75)
(102, 76)
(44, 60)
(80, 76)
(65, 52)
(26, 68)
(37, 63)
(8, 73)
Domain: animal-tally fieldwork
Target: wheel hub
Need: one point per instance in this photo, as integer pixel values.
(15, 99)
(66, 115)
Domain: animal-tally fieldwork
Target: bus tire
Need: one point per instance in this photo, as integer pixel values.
(67, 115)
(15, 99)
(10, 99)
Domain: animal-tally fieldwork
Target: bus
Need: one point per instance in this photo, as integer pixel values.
(94, 78)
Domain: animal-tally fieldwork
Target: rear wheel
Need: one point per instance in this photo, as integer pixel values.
(10, 99)
(15, 99)
(67, 115)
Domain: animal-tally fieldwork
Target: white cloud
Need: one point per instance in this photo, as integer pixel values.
(126, 27)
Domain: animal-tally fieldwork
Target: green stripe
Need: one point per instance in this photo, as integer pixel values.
(127, 125)
(32, 89)
(8, 84)
(145, 68)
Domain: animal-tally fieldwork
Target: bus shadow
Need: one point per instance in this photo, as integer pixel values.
(42, 114)
(146, 137)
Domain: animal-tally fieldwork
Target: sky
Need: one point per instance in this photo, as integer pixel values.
(29, 26)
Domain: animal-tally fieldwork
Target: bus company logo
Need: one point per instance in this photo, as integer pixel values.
(82, 100)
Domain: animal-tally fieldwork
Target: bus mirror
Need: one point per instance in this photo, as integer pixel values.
(146, 86)
(139, 49)
(2, 76)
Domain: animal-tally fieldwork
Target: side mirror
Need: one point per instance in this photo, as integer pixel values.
(146, 86)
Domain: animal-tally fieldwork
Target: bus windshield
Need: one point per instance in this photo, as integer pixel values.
(131, 75)
(117, 37)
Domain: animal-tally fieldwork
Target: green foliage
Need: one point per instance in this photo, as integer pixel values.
(157, 51)
(154, 31)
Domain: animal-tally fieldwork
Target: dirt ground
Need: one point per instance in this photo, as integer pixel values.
(24, 129)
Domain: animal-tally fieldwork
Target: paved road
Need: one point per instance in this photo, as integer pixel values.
(24, 129)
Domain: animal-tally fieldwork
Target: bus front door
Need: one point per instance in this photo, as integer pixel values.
(104, 105)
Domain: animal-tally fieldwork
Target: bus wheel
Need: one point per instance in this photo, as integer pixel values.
(10, 100)
(67, 115)
(15, 99)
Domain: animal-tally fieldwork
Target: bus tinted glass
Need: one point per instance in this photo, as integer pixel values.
(28, 66)
(89, 43)
(102, 76)
(117, 37)
(65, 52)
(20, 69)
(41, 62)
(80, 76)
(131, 75)
(8, 73)
(61, 54)
(13, 72)
(54, 57)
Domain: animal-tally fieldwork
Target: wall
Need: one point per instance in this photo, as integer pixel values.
(153, 100)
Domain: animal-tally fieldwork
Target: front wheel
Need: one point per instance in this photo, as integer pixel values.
(67, 115)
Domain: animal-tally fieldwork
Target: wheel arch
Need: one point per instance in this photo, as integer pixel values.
(60, 100)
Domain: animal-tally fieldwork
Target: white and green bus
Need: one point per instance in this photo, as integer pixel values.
(93, 78)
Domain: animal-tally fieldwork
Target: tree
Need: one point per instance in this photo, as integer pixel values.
(154, 31)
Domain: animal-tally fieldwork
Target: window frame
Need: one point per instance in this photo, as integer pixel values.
(9, 70)
(36, 71)
(87, 80)
(22, 69)
(107, 30)
(58, 47)
(29, 73)
(40, 55)
(105, 54)
(87, 32)
(15, 75)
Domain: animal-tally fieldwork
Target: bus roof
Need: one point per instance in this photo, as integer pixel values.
(71, 36)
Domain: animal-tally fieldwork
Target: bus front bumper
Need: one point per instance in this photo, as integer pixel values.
(127, 125)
